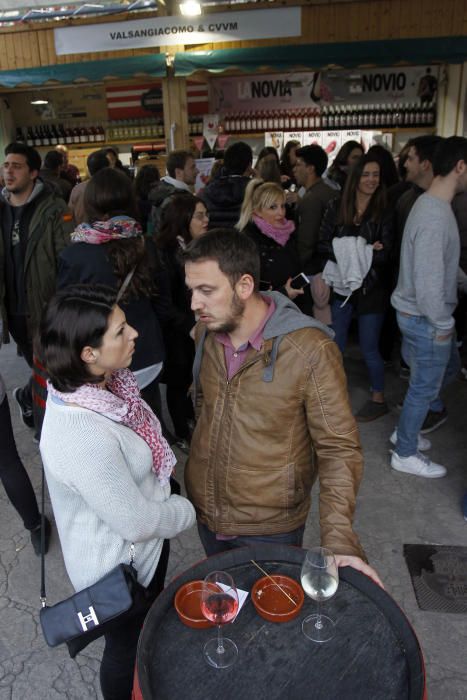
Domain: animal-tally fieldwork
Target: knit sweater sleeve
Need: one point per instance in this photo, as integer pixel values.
(92, 463)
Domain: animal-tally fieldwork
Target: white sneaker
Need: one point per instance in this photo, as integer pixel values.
(423, 444)
(417, 464)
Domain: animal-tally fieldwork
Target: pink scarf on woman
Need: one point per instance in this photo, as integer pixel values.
(280, 234)
(121, 402)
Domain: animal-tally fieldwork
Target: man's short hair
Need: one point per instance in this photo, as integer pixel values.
(314, 155)
(448, 153)
(53, 160)
(32, 156)
(425, 146)
(238, 158)
(235, 253)
(97, 160)
(177, 160)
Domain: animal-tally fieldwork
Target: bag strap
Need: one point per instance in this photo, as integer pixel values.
(43, 595)
(125, 284)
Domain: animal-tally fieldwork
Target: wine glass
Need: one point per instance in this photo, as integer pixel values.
(320, 578)
(219, 604)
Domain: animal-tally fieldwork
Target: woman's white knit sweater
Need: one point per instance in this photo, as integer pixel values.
(105, 495)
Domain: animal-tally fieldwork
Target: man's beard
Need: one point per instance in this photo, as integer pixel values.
(237, 308)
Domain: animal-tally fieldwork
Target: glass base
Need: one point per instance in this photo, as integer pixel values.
(321, 631)
(222, 659)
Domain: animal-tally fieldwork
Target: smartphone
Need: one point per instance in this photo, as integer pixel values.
(299, 281)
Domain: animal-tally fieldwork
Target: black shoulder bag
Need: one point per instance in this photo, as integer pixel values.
(94, 611)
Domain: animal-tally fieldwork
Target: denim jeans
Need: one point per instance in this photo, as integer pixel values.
(369, 331)
(214, 546)
(434, 362)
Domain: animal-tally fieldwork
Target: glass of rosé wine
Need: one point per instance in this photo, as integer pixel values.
(219, 604)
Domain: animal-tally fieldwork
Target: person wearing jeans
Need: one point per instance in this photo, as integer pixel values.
(434, 362)
(369, 331)
(425, 299)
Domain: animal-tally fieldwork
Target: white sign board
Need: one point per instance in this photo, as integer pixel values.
(172, 31)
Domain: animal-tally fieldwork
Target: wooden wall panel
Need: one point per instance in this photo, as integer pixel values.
(359, 20)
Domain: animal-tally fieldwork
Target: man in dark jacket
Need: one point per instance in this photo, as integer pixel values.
(311, 163)
(50, 173)
(223, 196)
(181, 177)
(35, 226)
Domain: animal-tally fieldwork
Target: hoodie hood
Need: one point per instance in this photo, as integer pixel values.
(36, 191)
(288, 318)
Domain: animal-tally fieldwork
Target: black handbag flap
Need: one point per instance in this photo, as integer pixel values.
(87, 609)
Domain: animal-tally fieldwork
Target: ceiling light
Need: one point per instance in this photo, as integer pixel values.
(39, 102)
(190, 8)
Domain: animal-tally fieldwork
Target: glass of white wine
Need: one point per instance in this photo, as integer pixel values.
(319, 578)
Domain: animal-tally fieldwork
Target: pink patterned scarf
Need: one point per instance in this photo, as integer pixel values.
(121, 402)
(280, 234)
(104, 231)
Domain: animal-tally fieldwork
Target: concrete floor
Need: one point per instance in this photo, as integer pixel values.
(392, 509)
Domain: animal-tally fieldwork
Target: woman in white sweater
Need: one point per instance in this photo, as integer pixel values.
(107, 465)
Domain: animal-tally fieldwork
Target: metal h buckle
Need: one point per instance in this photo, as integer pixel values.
(86, 619)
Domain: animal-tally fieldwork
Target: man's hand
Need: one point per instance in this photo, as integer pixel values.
(359, 564)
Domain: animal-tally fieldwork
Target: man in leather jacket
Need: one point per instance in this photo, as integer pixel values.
(272, 408)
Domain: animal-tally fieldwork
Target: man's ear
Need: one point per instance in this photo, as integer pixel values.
(245, 287)
(461, 167)
(88, 355)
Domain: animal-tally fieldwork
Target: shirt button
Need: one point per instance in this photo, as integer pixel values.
(235, 354)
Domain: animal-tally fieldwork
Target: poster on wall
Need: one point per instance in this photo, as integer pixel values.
(295, 91)
(211, 128)
(293, 136)
(275, 139)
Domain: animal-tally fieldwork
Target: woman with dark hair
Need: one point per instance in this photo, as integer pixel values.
(288, 160)
(146, 177)
(111, 250)
(184, 218)
(348, 155)
(389, 174)
(360, 216)
(107, 464)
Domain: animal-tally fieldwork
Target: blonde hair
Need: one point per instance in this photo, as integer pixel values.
(258, 195)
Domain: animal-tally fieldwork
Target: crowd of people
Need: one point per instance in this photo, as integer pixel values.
(239, 299)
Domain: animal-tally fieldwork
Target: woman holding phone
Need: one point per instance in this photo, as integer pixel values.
(262, 218)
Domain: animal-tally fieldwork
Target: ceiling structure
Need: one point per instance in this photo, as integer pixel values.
(14, 11)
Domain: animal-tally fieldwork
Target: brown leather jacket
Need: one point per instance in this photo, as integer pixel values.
(263, 437)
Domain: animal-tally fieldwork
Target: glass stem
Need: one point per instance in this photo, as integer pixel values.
(319, 624)
(220, 640)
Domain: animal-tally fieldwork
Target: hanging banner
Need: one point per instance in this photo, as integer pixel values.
(211, 128)
(173, 31)
(297, 91)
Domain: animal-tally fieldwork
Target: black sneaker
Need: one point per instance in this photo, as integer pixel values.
(433, 420)
(36, 537)
(25, 411)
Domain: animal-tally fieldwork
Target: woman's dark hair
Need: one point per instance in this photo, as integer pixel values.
(348, 203)
(285, 164)
(74, 318)
(267, 151)
(176, 218)
(381, 155)
(269, 171)
(341, 158)
(146, 177)
(109, 193)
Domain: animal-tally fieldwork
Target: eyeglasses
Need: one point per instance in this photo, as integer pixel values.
(201, 215)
